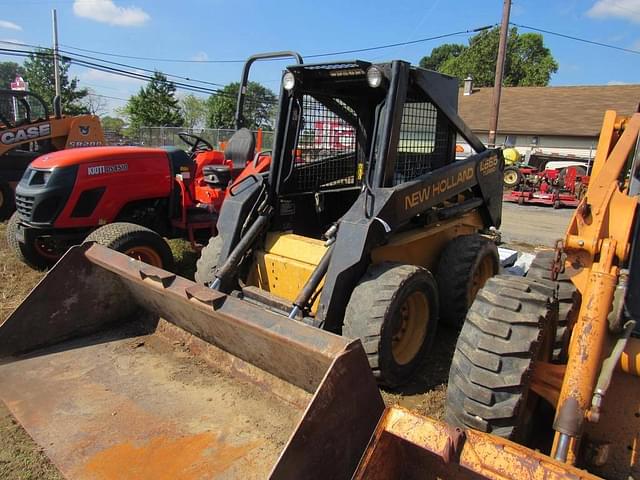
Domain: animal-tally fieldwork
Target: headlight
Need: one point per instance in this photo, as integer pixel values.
(45, 177)
(374, 77)
(288, 81)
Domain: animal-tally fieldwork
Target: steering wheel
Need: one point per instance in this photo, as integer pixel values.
(197, 144)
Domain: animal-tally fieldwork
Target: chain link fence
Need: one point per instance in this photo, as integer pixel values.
(168, 136)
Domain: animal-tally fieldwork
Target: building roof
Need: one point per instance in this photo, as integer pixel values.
(567, 111)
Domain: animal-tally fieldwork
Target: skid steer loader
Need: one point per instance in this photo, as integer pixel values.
(365, 225)
(581, 404)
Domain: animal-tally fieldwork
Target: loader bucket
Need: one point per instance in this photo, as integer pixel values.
(122, 370)
(409, 446)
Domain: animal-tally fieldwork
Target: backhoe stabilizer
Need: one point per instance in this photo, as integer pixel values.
(112, 365)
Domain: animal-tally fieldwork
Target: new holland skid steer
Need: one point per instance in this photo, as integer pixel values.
(123, 370)
(366, 225)
(27, 130)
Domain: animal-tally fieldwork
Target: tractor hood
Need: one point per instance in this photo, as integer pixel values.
(77, 156)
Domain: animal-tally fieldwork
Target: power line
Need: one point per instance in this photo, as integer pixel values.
(577, 39)
(316, 55)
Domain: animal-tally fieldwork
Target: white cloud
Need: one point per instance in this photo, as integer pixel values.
(625, 9)
(105, 11)
(10, 25)
(617, 82)
(200, 57)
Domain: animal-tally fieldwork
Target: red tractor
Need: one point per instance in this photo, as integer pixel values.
(563, 187)
(129, 198)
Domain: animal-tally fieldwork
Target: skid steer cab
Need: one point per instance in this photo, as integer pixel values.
(139, 194)
(366, 225)
(129, 198)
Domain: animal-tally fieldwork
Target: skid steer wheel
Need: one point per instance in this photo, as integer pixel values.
(208, 264)
(135, 241)
(509, 326)
(465, 264)
(6, 200)
(394, 311)
(38, 254)
(568, 299)
(512, 177)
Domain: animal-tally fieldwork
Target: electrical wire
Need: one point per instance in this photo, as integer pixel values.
(577, 39)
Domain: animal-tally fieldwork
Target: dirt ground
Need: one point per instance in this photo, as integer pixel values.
(21, 459)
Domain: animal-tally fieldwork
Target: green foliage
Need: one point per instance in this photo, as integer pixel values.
(259, 107)
(194, 111)
(39, 72)
(8, 73)
(528, 62)
(441, 54)
(155, 105)
(113, 124)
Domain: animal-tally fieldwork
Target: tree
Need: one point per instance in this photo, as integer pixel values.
(112, 124)
(441, 54)
(8, 73)
(94, 103)
(39, 72)
(194, 111)
(259, 107)
(155, 105)
(528, 62)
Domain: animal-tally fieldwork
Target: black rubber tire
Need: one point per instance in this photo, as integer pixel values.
(508, 328)
(568, 298)
(458, 262)
(122, 236)
(374, 310)
(518, 177)
(208, 262)
(7, 200)
(24, 252)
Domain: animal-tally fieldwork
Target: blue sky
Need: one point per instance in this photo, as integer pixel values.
(223, 29)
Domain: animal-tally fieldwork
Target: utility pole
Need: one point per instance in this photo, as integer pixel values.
(57, 104)
(497, 85)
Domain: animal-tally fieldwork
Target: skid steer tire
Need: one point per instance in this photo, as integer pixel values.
(568, 299)
(135, 241)
(7, 204)
(465, 264)
(27, 253)
(208, 262)
(394, 312)
(509, 326)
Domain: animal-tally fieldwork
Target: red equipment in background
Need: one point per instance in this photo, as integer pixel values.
(559, 188)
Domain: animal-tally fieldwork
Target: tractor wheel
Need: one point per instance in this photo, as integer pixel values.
(6, 200)
(511, 177)
(568, 299)
(135, 241)
(38, 254)
(394, 311)
(465, 264)
(208, 262)
(509, 326)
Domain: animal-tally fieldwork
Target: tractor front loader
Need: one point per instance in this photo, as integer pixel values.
(366, 225)
(550, 361)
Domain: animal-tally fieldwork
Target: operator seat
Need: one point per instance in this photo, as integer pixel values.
(240, 150)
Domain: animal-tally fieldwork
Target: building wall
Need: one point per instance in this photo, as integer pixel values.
(548, 144)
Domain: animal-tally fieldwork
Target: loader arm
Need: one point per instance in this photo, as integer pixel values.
(597, 244)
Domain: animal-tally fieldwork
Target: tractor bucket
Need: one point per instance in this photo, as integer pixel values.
(409, 446)
(121, 370)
